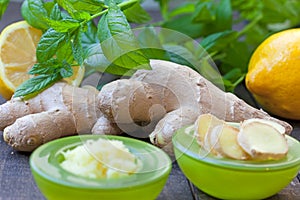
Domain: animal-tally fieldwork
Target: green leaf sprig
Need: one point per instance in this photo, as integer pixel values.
(69, 29)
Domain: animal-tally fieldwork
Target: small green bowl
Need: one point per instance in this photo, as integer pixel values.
(233, 179)
(56, 183)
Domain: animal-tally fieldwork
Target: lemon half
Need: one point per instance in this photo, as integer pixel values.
(18, 42)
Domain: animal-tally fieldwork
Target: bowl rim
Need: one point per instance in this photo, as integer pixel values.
(157, 174)
(243, 165)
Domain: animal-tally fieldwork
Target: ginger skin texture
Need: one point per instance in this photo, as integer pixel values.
(152, 103)
(183, 95)
(59, 111)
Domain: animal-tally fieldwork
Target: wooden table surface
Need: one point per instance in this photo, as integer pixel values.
(16, 181)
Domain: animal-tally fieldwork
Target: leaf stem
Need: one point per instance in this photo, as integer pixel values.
(120, 5)
(98, 14)
(239, 80)
(249, 26)
(126, 3)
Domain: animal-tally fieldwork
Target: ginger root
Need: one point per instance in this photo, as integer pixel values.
(60, 110)
(180, 92)
(152, 103)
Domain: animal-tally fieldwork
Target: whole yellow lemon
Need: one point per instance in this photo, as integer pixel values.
(274, 74)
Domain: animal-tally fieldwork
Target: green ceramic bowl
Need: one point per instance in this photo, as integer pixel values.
(56, 183)
(232, 179)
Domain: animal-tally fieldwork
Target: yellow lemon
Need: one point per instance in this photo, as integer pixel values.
(18, 43)
(274, 74)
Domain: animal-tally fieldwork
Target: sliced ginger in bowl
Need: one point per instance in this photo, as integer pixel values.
(226, 144)
(262, 141)
(253, 139)
(204, 124)
(203, 127)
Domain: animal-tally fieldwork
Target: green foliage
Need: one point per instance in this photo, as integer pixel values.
(228, 31)
(36, 13)
(137, 14)
(118, 42)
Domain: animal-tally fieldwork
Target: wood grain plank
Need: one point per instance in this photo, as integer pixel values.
(16, 181)
(291, 192)
(177, 186)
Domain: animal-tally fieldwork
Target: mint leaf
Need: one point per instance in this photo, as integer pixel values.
(216, 14)
(182, 9)
(49, 7)
(67, 5)
(65, 52)
(210, 72)
(76, 12)
(82, 16)
(34, 12)
(114, 27)
(36, 84)
(223, 16)
(151, 45)
(154, 48)
(3, 7)
(89, 36)
(77, 46)
(233, 78)
(90, 6)
(64, 25)
(204, 13)
(137, 14)
(248, 10)
(95, 60)
(66, 70)
(148, 38)
(55, 13)
(185, 25)
(47, 67)
(237, 56)
(218, 41)
(108, 2)
(164, 8)
(181, 55)
(118, 42)
(50, 42)
(52, 66)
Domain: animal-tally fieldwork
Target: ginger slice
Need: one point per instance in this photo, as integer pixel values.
(210, 143)
(224, 138)
(262, 141)
(277, 126)
(204, 124)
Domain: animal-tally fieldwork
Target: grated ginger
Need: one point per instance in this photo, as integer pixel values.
(101, 158)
